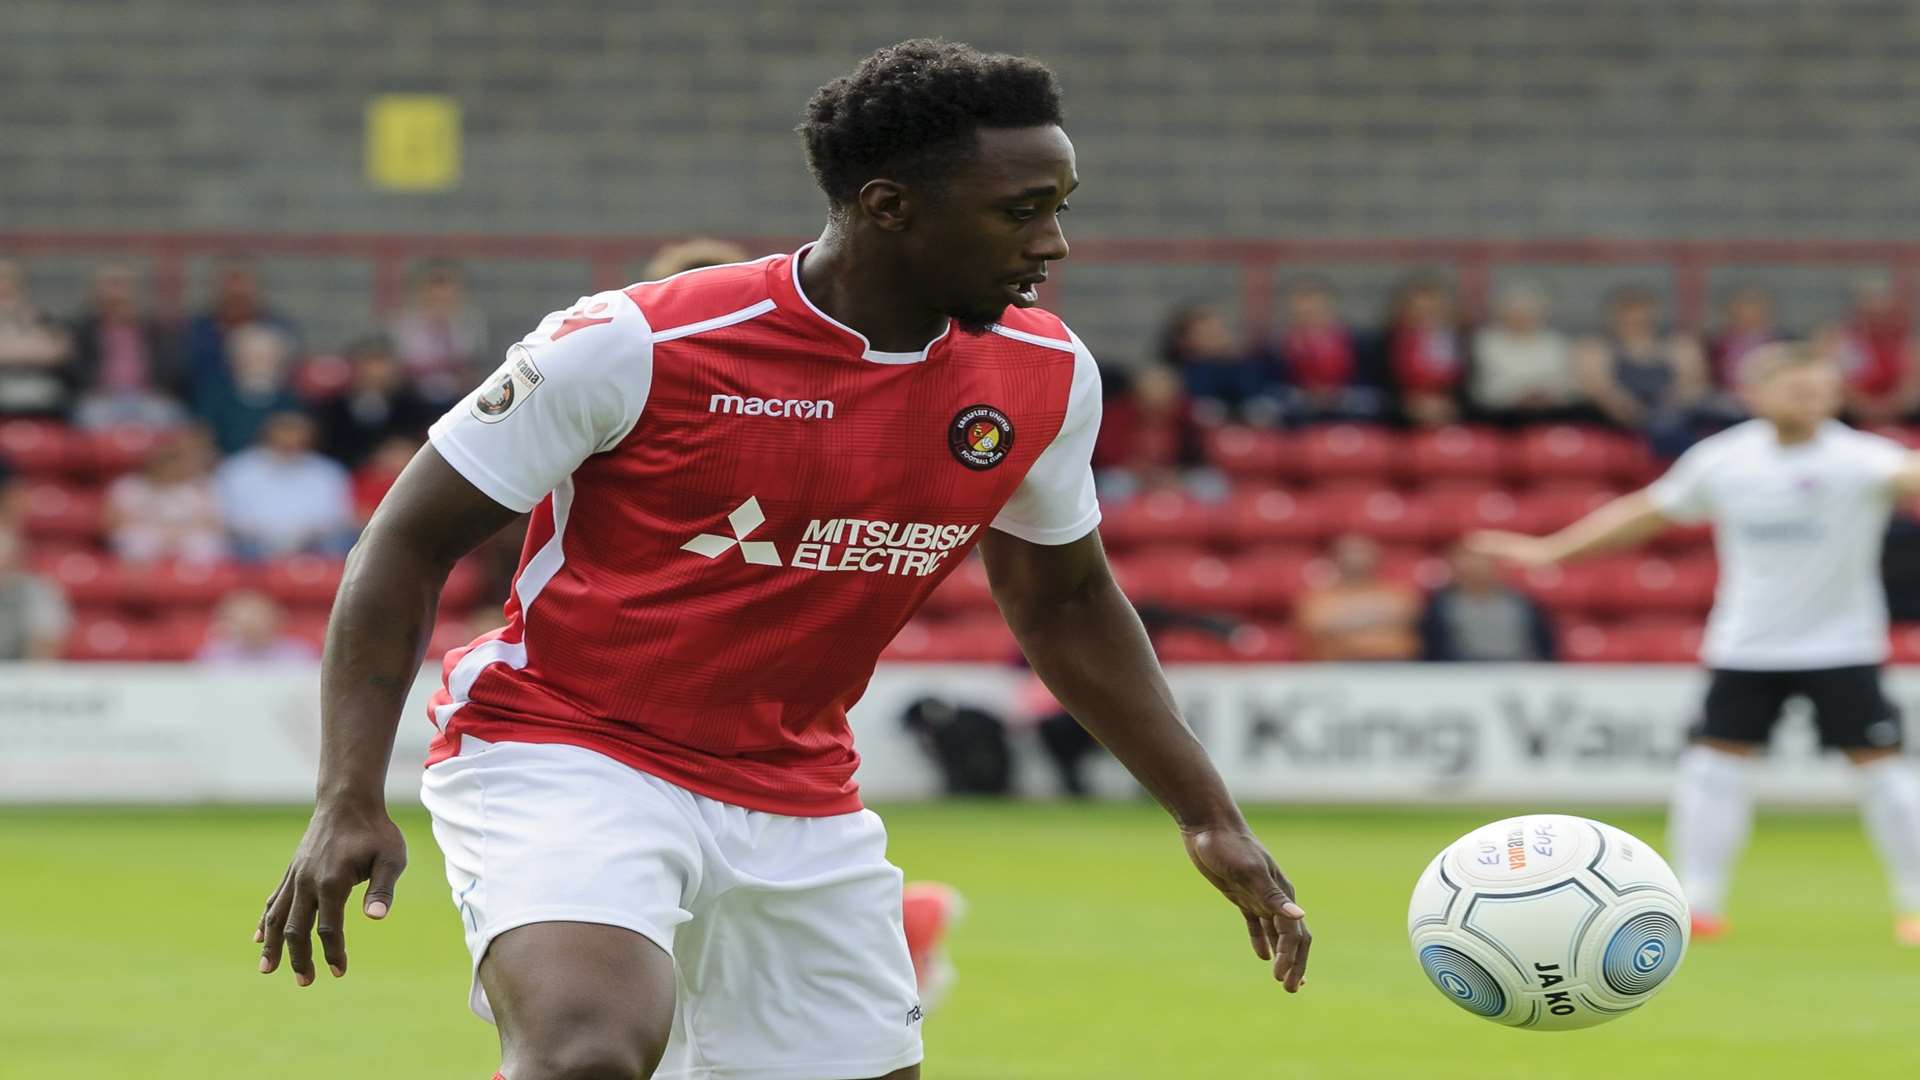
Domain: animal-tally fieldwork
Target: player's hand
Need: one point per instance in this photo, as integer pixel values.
(342, 848)
(1242, 870)
(1517, 548)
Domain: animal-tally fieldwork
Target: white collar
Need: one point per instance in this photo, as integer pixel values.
(867, 351)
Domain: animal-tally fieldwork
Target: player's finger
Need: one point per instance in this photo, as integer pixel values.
(273, 925)
(1257, 930)
(1299, 943)
(330, 917)
(385, 878)
(260, 928)
(299, 931)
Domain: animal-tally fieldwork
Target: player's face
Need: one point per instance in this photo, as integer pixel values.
(986, 243)
(1799, 397)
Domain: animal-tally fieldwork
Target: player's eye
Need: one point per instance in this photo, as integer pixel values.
(1064, 207)
(1022, 213)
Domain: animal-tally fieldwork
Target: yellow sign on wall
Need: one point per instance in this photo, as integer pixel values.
(413, 142)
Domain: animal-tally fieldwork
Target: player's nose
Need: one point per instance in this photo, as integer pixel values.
(1050, 245)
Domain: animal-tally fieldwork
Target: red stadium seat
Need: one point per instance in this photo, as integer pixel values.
(181, 583)
(964, 590)
(1558, 506)
(1905, 640)
(1564, 451)
(42, 447)
(972, 639)
(1266, 582)
(449, 634)
(1271, 515)
(1454, 451)
(179, 637)
(1567, 589)
(101, 637)
(1661, 641)
(1592, 643)
(1650, 584)
(1458, 510)
(88, 579)
(466, 586)
(107, 454)
(1381, 513)
(1345, 450)
(1157, 517)
(1250, 453)
(303, 580)
(1248, 643)
(1422, 571)
(311, 627)
(63, 510)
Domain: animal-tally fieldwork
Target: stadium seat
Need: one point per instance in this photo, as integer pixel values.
(55, 509)
(1272, 515)
(179, 636)
(1157, 517)
(1337, 450)
(110, 453)
(106, 637)
(1381, 513)
(42, 447)
(1568, 589)
(1567, 451)
(180, 583)
(87, 578)
(1905, 640)
(1651, 584)
(449, 634)
(1250, 453)
(466, 586)
(1557, 506)
(1456, 510)
(1267, 581)
(1593, 643)
(1247, 643)
(311, 627)
(302, 580)
(971, 639)
(1661, 641)
(1454, 451)
(1422, 571)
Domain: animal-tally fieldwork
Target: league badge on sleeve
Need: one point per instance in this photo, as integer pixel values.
(980, 436)
(507, 387)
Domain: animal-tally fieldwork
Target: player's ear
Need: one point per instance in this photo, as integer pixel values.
(887, 203)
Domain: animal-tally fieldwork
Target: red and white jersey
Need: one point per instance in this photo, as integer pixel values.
(736, 503)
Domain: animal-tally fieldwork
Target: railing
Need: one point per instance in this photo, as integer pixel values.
(1260, 262)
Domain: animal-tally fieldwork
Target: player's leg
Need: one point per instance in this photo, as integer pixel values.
(578, 1001)
(1856, 718)
(1712, 809)
(796, 967)
(572, 874)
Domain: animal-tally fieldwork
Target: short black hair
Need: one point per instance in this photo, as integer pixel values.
(910, 111)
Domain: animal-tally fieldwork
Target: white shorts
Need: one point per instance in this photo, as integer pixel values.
(785, 931)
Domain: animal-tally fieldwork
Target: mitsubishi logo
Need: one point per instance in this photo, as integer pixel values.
(745, 518)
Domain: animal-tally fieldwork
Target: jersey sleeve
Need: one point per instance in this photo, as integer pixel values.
(1055, 502)
(1683, 494)
(574, 386)
(1882, 458)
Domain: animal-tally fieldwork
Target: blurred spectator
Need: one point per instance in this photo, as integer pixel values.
(282, 498)
(1642, 379)
(1317, 362)
(377, 404)
(36, 370)
(1149, 439)
(33, 611)
(440, 337)
(168, 510)
(125, 363)
(1358, 616)
(1522, 368)
(13, 495)
(246, 630)
(1221, 377)
(238, 403)
(377, 472)
(1424, 353)
(693, 254)
(237, 302)
(1746, 325)
(1875, 350)
(1481, 617)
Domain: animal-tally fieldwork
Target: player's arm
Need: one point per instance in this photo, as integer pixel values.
(1906, 478)
(1086, 643)
(376, 638)
(1622, 523)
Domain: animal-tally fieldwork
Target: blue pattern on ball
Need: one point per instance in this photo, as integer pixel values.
(1641, 953)
(1462, 978)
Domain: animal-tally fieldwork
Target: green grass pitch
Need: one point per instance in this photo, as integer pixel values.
(1090, 950)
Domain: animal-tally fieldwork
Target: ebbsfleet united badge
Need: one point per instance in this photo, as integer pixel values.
(507, 387)
(980, 436)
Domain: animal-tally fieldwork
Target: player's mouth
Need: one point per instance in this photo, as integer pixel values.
(1025, 292)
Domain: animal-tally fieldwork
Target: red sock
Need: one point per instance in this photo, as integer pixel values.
(499, 1076)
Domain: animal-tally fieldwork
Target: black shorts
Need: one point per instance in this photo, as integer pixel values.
(1848, 707)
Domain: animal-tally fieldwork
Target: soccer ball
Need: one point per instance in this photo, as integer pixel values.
(1548, 922)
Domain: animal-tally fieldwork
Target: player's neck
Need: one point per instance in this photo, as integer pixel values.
(1794, 435)
(862, 290)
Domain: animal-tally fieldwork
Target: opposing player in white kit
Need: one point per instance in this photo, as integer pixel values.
(1799, 504)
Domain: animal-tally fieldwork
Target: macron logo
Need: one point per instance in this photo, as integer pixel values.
(745, 518)
(794, 408)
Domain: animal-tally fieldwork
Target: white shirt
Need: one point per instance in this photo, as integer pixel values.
(284, 505)
(1798, 531)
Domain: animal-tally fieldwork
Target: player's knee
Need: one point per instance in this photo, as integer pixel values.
(587, 1044)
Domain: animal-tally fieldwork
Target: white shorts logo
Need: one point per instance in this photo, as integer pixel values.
(745, 518)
